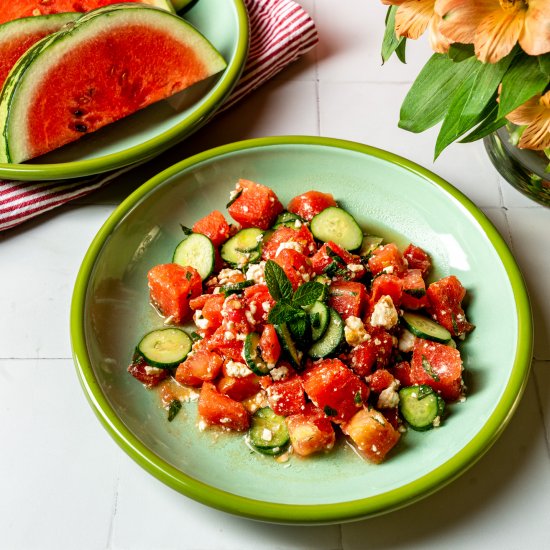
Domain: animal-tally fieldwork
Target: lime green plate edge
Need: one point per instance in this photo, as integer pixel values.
(322, 513)
(152, 147)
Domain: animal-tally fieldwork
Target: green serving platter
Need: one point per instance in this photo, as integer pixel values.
(389, 196)
(151, 131)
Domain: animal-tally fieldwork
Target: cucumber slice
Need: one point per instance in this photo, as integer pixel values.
(235, 288)
(288, 219)
(336, 225)
(165, 348)
(268, 433)
(319, 316)
(370, 242)
(252, 354)
(244, 247)
(423, 327)
(420, 406)
(288, 345)
(196, 251)
(331, 339)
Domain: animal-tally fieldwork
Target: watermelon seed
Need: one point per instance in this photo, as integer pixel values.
(78, 113)
(81, 128)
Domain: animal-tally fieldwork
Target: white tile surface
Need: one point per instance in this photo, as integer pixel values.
(65, 484)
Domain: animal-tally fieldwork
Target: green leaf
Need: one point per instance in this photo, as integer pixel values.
(308, 293)
(429, 369)
(298, 328)
(523, 80)
(460, 52)
(329, 411)
(431, 94)
(283, 312)
(173, 409)
(544, 63)
(186, 230)
(487, 126)
(472, 100)
(390, 42)
(277, 282)
(400, 50)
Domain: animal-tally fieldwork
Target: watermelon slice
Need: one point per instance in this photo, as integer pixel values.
(16, 9)
(110, 63)
(16, 37)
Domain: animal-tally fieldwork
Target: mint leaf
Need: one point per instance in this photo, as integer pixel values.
(282, 312)
(429, 369)
(186, 230)
(298, 328)
(307, 294)
(277, 282)
(329, 411)
(173, 409)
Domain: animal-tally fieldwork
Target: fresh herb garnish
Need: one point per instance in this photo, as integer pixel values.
(429, 369)
(186, 230)
(329, 411)
(173, 409)
(357, 399)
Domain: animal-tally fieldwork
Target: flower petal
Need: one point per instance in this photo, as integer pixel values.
(535, 38)
(412, 18)
(438, 41)
(526, 113)
(498, 33)
(461, 18)
(537, 135)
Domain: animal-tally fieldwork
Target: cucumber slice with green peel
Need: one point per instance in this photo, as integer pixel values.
(244, 247)
(370, 242)
(288, 345)
(165, 348)
(423, 327)
(235, 288)
(336, 225)
(331, 339)
(196, 251)
(252, 354)
(288, 219)
(52, 101)
(268, 432)
(319, 316)
(421, 407)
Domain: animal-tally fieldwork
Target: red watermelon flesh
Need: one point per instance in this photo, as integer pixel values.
(16, 37)
(125, 64)
(16, 9)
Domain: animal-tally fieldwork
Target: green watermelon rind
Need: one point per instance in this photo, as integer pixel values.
(37, 22)
(19, 85)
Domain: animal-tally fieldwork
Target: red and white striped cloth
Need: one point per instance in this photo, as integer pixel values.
(281, 31)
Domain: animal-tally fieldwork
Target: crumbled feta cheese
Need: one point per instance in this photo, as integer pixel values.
(267, 435)
(237, 369)
(354, 331)
(228, 335)
(250, 317)
(266, 306)
(233, 194)
(199, 320)
(389, 398)
(279, 373)
(355, 267)
(406, 341)
(384, 313)
(152, 370)
(436, 422)
(202, 425)
(225, 275)
(255, 272)
(289, 244)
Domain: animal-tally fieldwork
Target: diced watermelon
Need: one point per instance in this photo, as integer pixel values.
(218, 409)
(270, 346)
(402, 372)
(372, 433)
(200, 366)
(445, 304)
(287, 397)
(241, 388)
(230, 348)
(302, 237)
(387, 285)
(214, 226)
(310, 432)
(297, 266)
(380, 380)
(387, 259)
(258, 302)
(171, 287)
(337, 262)
(335, 389)
(347, 298)
(414, 290)
(417, 258)
(372, 353)
(148, 376)
(256, 206)
(439, 366)
(309, 204)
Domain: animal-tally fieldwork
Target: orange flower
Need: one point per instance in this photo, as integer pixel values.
(535, 114)
(412, 19)
(495, 26)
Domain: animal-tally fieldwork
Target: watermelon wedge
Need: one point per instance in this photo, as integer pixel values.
(16, 37)
(16, 9)
(109, 64)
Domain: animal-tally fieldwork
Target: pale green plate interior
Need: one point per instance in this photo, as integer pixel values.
(388, 196)
(152, 130)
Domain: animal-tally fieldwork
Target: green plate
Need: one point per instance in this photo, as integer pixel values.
(151, 131)
(388, 195)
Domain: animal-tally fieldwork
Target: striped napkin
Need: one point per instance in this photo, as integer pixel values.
(280, 32)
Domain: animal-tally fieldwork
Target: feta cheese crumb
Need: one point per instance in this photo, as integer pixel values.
(389, 398)
(289, 244)
(255, 272)
(152, 370)
(354, 331)
(202, 426)
(225, 275)
(355, 267)
(384, 313)
(237, 369)
(436, 422)
(406, 341)
(267, 435)
(279, 373)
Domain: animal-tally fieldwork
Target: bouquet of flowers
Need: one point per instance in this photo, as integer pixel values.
(491, 68)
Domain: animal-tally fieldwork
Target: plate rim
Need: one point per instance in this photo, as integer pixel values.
(308, 513)
(158, 143)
